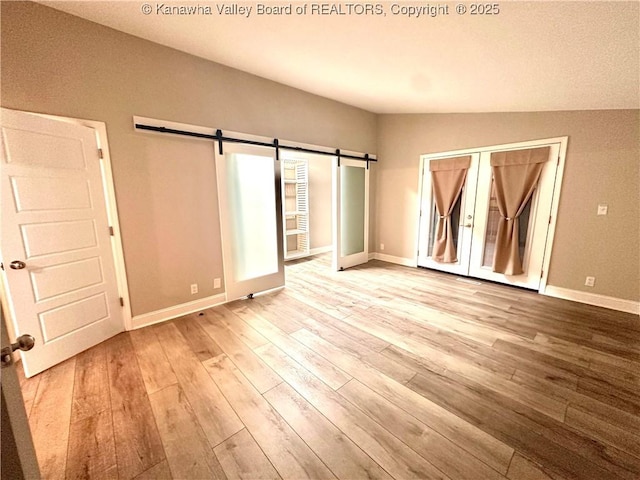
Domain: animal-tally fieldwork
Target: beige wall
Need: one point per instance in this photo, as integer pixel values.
(602, 166)
(58, 64)
(320, 198)
(177, 223)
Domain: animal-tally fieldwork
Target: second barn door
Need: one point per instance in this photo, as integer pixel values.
(351, 213)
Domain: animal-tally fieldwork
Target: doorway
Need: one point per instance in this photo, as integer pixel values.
(325, 203)
(307, 200)
(490, 213)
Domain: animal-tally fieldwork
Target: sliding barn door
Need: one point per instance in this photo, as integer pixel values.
(251, 219)
(351, 214)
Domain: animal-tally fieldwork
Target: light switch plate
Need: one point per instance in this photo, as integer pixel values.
(603, 209)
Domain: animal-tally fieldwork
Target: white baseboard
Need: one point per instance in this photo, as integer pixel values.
(407, 262)
(319, 250)
(613, 303)
(170, 313)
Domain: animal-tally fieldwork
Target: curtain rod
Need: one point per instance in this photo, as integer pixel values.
(220, 138)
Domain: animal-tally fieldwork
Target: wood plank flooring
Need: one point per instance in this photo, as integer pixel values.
(376, 372)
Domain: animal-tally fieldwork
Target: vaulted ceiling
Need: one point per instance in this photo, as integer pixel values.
(525, 56)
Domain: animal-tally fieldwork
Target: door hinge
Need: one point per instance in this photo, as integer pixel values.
(2, 266)
(111, 231)
(541, 273)
(121, 302)
(550, 216)
(100, 153)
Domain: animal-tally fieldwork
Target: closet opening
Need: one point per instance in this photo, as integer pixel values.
(307, 201)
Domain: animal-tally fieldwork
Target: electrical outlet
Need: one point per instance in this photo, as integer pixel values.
(194, 289)
(590, 281)
(381, 246)
(216, 283)
(603, 209)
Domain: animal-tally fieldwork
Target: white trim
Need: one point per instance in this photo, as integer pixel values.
(555, 203)
(176, 311)
(613, 303)
(491, 148)
(312, 252)
(112, 209)
(407, 262)
(319, 250)
(421, 189)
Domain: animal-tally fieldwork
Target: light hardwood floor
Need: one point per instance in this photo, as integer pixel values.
(379, 371)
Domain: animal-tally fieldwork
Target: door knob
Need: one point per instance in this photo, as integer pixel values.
(17, 265)
(468, 225)
(24, 343)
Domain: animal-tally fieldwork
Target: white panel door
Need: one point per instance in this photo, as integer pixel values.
(351, 214)
(461, 219)
(251, 219)
(56, 246)
(15, 436)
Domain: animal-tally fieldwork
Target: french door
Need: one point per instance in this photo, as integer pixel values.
(474, 215)
(351, 213)
(461, 220)
(251, 219)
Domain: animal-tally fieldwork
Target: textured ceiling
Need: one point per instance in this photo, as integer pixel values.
(530, 56)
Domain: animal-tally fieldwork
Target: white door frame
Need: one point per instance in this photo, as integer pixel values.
(100, 129)
(562, 141)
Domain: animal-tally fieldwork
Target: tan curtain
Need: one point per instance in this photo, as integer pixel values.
(447, 176)
(516, 174)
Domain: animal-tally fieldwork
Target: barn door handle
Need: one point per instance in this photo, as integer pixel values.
(17, 265)
(24, 343)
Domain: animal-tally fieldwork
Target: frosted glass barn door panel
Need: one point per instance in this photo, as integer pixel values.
(251, 220)
(351, 193)
(462, 216)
